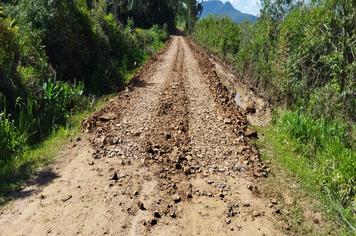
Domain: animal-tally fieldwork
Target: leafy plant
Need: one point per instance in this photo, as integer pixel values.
(12, 142)
(301, 54)
(324, 146)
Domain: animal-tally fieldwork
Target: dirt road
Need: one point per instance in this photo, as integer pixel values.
(171, 155)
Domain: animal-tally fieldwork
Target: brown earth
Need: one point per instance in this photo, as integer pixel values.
(171, 155)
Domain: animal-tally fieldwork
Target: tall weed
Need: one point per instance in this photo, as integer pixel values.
(327, 148)
(12, 141)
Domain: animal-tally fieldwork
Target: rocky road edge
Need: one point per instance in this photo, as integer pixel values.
(236, 116)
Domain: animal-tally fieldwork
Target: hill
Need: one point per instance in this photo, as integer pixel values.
(219, 8)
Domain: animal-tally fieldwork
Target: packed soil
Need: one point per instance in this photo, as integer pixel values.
(170, 155)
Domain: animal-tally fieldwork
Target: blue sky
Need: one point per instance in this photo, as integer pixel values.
(247, 6)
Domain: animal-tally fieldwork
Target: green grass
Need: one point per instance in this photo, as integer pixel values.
(320, 155)
(15, 171)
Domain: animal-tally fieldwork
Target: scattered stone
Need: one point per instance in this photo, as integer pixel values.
(187, 170)
(91, 163)
(251, 133)
(66, 198)
(210, 181)
(157, 214)
(274, 201)
(173, 213)
(250, 107)
(228, 220)
(190, 191)
(256, 213)
(253, 189)
(79, 139)
(153, 222)
(168, 136)
(178, 166)
(141, 206)
(115, 177)
(176, 198)
(232, 210)
(174, 155)
(227, 121)
(222, 194)
(221, 185)
(189, 158)
(106, 118)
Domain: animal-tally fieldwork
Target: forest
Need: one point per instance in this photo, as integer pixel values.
(301, 56)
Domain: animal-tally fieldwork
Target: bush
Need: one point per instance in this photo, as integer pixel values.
(327, 148)
(9, 58)
(12, 142)
(220, 35)
(51, 107)
(300, 54)
(53, 56)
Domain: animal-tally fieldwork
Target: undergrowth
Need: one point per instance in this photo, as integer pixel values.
(320, 155)
(301, 55)
(55, 58)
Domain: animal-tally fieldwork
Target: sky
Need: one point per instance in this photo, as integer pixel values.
(247, 6)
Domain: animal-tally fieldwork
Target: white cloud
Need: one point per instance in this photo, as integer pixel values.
(247, 6)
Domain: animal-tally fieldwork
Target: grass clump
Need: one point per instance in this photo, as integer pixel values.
(320, 154)
(12, 142)
(24, 159)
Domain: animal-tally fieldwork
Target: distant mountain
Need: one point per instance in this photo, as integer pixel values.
(219, 8)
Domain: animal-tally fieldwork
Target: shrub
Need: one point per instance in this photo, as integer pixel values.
(327, 147)
(300, 54)
(220, 35)
(12, 142)
(53, 56)
(9, 58)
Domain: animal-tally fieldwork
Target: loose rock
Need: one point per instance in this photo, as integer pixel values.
(141, 206)
(176, 198)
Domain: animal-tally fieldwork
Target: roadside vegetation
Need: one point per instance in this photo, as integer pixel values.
(301, 56)
(57, 58)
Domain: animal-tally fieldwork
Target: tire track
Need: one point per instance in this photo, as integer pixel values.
(169, 156)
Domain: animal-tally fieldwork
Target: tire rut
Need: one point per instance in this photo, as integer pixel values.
(171, 155)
